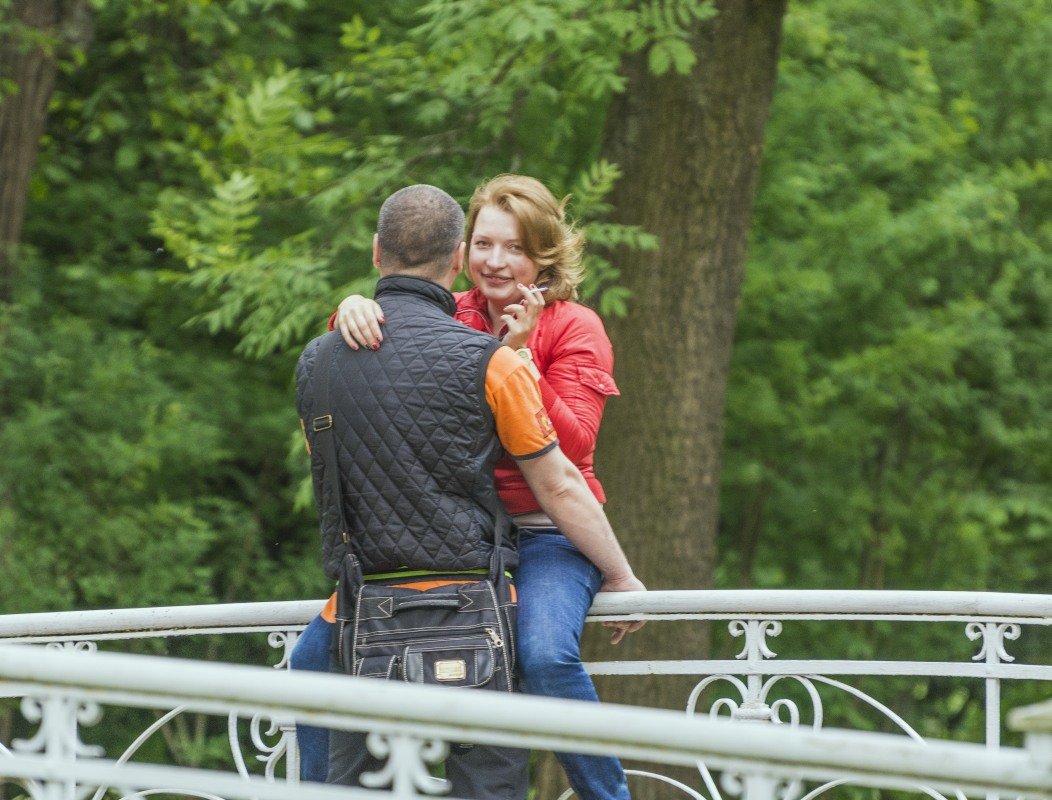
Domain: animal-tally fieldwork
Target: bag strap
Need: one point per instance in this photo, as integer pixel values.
(322, 425)
(325, 442)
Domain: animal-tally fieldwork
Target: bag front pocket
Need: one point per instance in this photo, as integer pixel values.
(376, 666)
(468, 661)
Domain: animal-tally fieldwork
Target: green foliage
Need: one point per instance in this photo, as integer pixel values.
(665, 25)
(890, 406)
(448, 93)
(891, 376)
(600, 285)
(108, 459)
(142, 464)
(212, 169)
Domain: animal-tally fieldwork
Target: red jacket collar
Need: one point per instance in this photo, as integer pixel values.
(473, 310)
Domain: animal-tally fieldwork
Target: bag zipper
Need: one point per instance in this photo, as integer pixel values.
(379, 638)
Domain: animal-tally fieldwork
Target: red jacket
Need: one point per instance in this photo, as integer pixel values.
(576, 361)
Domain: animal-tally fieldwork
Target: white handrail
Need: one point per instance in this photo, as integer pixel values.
(340, 702)
(834, 604)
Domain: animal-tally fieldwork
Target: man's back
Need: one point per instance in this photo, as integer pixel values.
(416, 441)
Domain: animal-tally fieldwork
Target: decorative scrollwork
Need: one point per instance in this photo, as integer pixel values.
(695, 695)
(286, 640)
(270, 754)
(756, 702)
(754, 706)
(732, 782)
(755, 632)
(73, 647)
(406, 768)
(789, 705)
(58, 718)
(752, 785)
(993, 635)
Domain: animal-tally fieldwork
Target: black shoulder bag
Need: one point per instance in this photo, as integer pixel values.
(450, 630)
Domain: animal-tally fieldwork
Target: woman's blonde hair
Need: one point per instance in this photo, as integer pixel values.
(549, 240)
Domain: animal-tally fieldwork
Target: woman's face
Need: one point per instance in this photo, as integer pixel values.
(497, 259)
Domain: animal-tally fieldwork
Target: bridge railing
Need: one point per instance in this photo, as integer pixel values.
(64, 690)
(753, 685)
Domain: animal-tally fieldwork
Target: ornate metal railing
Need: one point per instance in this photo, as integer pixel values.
(790, 693)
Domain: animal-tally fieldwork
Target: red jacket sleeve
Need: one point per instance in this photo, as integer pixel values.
(575, 382)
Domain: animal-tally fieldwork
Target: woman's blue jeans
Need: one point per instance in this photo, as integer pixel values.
(556, 585)
(311, 653)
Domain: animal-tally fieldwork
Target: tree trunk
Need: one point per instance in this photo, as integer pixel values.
(29, 50)
(689, 147)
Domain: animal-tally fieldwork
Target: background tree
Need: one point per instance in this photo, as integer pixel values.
(34, 36)
(689, 146)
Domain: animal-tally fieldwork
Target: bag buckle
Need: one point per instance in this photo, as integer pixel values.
(322, 423)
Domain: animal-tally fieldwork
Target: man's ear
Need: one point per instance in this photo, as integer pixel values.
(376, 250)
(458, 260)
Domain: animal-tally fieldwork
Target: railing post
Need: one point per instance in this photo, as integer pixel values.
(58, 738)
(993, 652)
(754, 706)
(759, 787)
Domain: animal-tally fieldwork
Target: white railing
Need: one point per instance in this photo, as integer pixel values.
(754, 680)
(64, 690)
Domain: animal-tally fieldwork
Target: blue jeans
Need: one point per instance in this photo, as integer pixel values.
(556, 585)
(311, 653)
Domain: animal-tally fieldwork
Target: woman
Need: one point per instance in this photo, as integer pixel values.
(524, 260)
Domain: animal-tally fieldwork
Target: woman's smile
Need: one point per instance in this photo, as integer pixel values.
(497, 259)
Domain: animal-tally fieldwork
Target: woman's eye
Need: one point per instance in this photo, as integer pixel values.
(515, 248)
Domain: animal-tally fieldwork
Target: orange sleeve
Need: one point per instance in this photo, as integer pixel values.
(328, 613)
(513, 395)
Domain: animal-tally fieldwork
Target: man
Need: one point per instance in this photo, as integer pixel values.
(420, 423)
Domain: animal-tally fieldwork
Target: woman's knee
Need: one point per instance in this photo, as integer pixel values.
(541, 659)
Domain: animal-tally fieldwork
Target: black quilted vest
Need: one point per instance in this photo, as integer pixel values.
(415, 439)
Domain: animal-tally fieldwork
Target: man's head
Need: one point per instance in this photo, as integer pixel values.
(420, 232)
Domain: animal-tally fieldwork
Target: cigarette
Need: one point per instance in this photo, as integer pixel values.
(541, 289)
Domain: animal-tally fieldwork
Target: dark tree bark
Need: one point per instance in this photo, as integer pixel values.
(689, 147)
(29, 52)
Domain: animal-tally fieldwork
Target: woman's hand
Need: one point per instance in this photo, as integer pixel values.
(358, 320)
(621, 627)
(521, 318)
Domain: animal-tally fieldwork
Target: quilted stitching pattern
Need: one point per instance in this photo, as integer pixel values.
(414, 443)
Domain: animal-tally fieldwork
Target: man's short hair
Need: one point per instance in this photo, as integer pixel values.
(419, 230)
